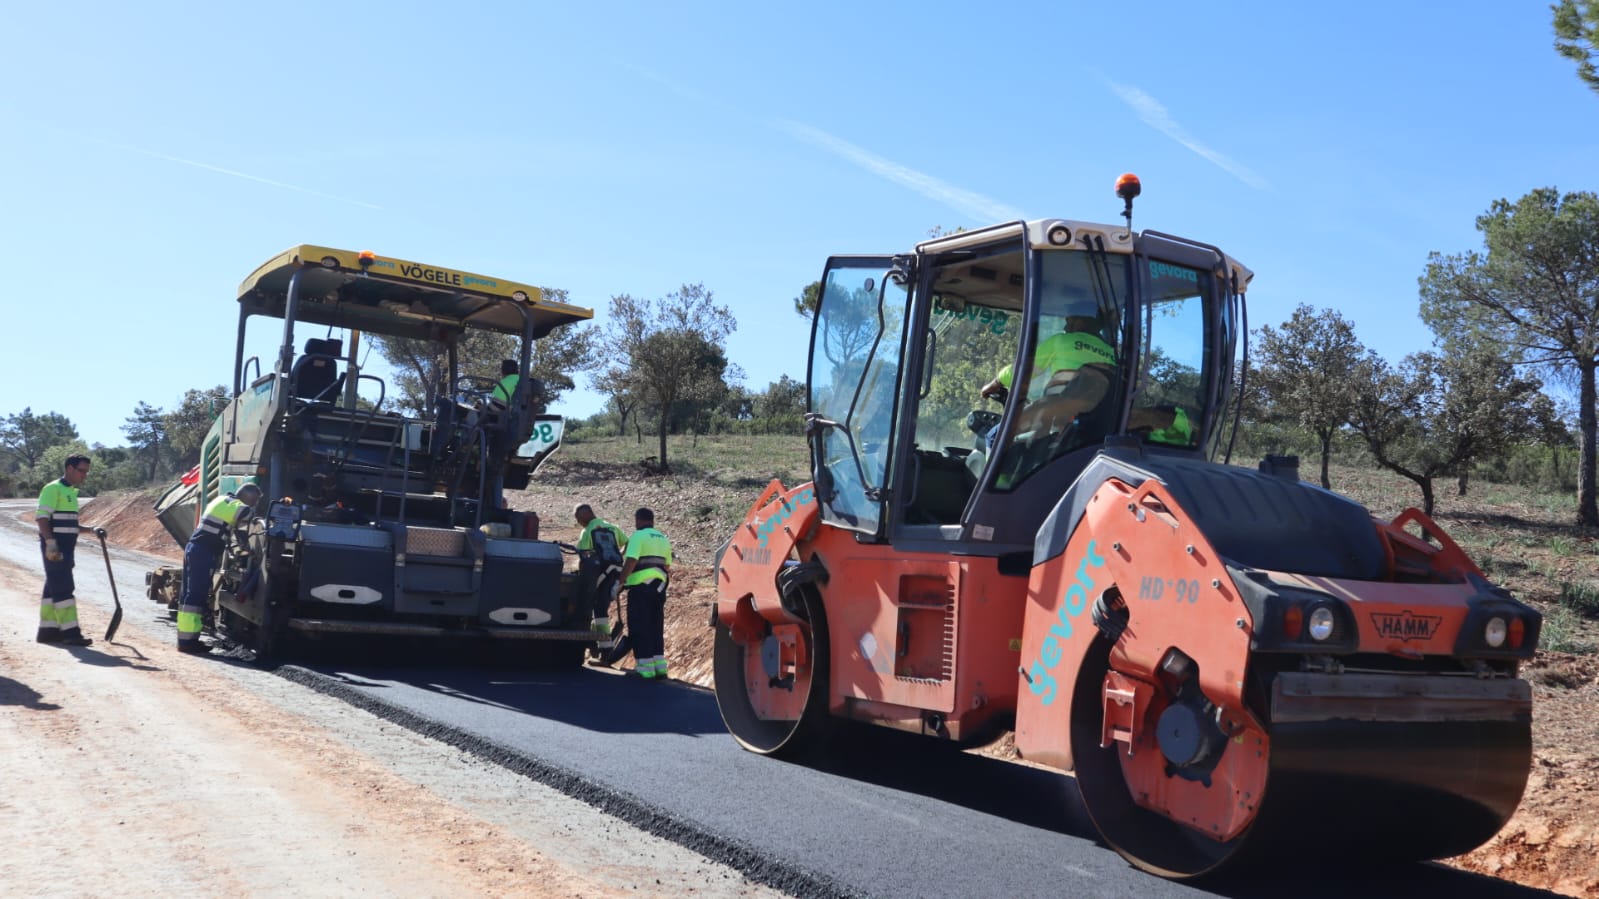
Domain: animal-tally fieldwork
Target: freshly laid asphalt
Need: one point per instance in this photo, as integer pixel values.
(882, 814)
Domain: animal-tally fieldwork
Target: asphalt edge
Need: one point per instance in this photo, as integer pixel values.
(618, 804)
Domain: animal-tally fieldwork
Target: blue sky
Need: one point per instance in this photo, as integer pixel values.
(155, 153)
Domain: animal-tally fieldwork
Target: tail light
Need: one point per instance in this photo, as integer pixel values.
(1293, 622)
(1518, 632)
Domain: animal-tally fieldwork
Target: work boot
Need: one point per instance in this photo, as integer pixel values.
(194, 647)
(78, 640)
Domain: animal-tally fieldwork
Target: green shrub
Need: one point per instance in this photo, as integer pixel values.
(1552, 469)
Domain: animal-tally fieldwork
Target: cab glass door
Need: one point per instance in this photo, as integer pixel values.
(856, 342)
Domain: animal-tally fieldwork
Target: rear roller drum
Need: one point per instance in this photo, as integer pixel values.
(1366, 790)
(772, 691)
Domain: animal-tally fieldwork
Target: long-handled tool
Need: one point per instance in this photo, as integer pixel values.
(116, 617)
(621, 638)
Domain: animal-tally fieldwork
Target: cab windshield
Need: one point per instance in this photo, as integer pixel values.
(1068, 394)
(1176, 335)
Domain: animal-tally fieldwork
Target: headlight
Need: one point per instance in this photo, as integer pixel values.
(1495, 631)
(1059, 235)
(1322, 623)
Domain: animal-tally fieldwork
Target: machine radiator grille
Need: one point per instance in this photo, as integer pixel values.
(435, 542)
(948, 672)
(925, 638)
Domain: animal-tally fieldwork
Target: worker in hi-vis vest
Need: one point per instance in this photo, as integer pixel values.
(599, 550)
(646, 569)
(505, 389)
(58, 538)
(200, 559)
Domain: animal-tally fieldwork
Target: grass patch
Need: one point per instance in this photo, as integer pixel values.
(1560, 632)
(1581, 597)
(1562, 545)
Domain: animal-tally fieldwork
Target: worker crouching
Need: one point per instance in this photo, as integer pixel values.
(200, 556)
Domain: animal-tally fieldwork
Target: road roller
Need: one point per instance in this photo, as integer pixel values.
(1024, 516)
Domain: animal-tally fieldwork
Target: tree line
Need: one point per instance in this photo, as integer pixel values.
(661, 363)
(34, 446)
(1523, 309)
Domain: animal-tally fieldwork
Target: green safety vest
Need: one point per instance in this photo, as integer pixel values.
(58, 501)
(1180, 431)
(504, 390)
(586, 541)
(220, 514)
(1062, 352)
(653, 551)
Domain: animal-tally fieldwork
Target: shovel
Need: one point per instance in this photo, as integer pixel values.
(116, 617)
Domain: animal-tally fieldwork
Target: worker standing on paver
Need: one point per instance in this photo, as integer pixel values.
(646, 570)
(200, 559)
(58, 538)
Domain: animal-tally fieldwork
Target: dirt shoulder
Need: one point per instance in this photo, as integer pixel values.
(131, 764)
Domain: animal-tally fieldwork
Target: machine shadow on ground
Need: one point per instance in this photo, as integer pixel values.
(605, 702)
(1046, 799)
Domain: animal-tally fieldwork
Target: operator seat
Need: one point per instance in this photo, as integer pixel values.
(315, 375)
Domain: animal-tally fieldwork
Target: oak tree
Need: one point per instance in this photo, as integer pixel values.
(1304, 374)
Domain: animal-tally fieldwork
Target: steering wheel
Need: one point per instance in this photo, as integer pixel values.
(472, 390)
(981, 421)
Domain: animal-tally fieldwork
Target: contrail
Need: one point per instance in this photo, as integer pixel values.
(968, 202)
(1155, 116)
(973, 204)
(687, 93)
(246, 176)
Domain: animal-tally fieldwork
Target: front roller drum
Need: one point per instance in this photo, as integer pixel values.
(1399, 791)
(771, 685)
(1346, 790)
